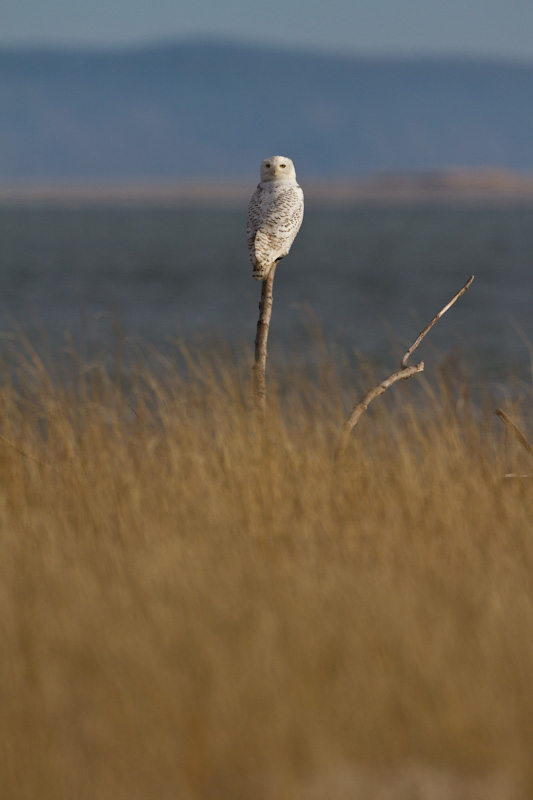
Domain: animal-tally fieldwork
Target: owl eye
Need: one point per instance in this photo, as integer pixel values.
(267, 166)
(282, 166)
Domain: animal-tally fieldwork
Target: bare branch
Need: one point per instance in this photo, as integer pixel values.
(434, 321)
(403, 373)
(515, 430)
(360, 407)
(261, 339)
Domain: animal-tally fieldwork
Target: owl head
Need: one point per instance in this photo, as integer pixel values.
(277, 168)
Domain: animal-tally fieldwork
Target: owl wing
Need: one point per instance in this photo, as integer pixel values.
(254, 221)
(283, 220)
(274, 220)
(295, 212)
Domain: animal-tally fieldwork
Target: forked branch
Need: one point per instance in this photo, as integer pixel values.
(402, 374)
(261, 339)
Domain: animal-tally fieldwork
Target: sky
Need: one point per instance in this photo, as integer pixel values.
(500, 28)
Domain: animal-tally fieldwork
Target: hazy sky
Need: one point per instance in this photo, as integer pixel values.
(474, 27)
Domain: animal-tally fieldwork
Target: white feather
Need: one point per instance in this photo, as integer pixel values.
(275, 215)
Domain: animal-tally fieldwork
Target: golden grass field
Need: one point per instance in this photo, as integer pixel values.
(191, 611)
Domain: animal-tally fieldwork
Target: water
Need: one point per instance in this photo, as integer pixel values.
(371, 278)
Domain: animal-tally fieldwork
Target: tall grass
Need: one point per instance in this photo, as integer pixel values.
(192, 611)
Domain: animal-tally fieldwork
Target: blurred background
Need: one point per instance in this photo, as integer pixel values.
(131, 140)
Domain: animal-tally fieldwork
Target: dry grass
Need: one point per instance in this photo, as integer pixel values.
(188, 612)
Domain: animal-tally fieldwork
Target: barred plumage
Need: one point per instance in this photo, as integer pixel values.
(275, 214)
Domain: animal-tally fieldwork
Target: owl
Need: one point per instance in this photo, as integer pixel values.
(275, 214)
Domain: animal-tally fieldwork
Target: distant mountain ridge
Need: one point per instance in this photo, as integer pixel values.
(211, 110)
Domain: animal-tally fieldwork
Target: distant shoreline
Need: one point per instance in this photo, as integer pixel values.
(483, 187)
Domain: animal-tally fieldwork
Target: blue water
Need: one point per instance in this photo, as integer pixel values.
(370, 278)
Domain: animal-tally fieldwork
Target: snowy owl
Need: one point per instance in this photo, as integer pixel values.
(275, 214)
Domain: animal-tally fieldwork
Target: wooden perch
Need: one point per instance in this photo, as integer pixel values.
(402, 374)
(261, 339)
(515, 430)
